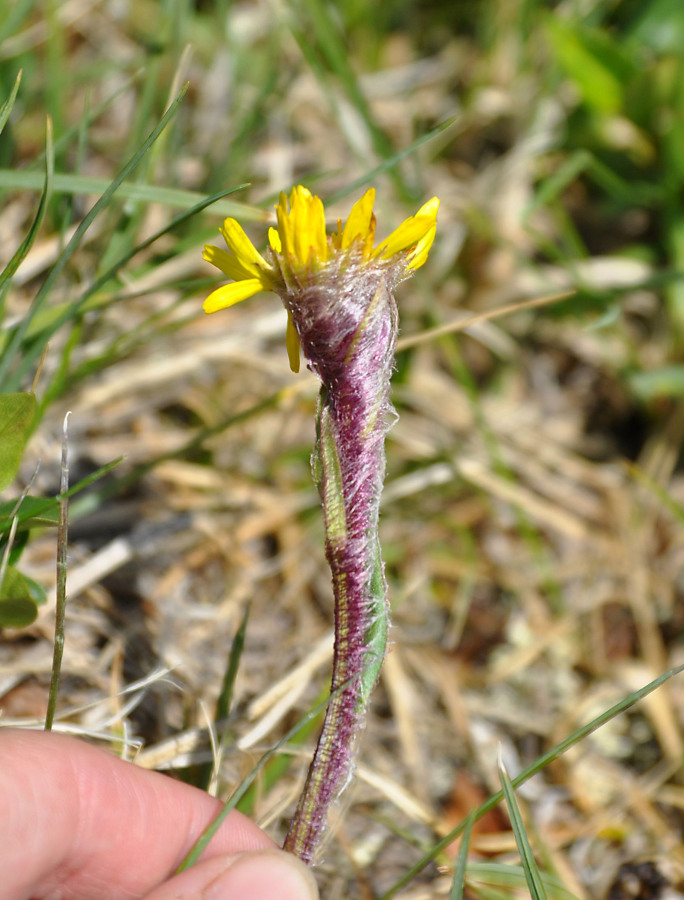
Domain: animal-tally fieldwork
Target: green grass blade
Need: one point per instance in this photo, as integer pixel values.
(225, 698)
(458, 884)
(330, 45)
(67, 137)
(579, 735)
(297, 729)
(27, 243)
(14, 14)
(33, 353)
(60, 616)
(391, 161)
(245, 784)
(42, 510)
(201, 204)
(501, 875)
(149, 193)
(52, 318)
(6, 107)
(529, 864)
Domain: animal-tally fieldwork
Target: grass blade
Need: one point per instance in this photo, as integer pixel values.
(458, 884)
(45, 196)
(225, 698)
(60, 619)
(391, 161)
(246, 783)
(149, 193)
(501, 875)
(539, 764)
(32, 353)
(529, 864)
(6, 107)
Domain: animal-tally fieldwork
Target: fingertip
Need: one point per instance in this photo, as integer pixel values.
(257, 875)
(265, 875)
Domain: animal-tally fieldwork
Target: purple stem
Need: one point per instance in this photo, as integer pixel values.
(349, 343)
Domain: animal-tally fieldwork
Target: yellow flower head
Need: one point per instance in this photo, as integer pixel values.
(300, 249)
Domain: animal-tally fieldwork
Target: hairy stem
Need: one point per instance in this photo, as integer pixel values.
(354, 415)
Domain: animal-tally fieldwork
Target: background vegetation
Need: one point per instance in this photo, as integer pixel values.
(534, 505)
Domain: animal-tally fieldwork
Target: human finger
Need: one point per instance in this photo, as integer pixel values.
(260, 875)
(79, 822)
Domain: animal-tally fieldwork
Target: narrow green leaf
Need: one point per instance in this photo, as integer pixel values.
(6, 107)
(27, 243)
(389, 163)
(37, 511)
(225, 698)
(554, 753)
(150, 193)
(17, 413)
(529, 864)
(33, 353)
(502, 875)
(458, 884)
(328, 477)
(32, 513)
(12, 16)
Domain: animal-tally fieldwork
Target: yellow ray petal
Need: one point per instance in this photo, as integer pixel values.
(274, 240)
(226, 262)
(410, 232)
(359, 221)
(284, 226)
(319, 238)
(431, 208)
(420, 254)
(292, 344)
(230, 294)
(244, 250)
(301, 221)
(406, 235)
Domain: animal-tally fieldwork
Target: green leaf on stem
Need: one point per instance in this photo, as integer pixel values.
(19, 599)
(17, 413)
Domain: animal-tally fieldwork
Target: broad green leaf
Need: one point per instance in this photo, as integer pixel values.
(17, 412)
(18, 600)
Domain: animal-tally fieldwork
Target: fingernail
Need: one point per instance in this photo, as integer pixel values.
(263, 875)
